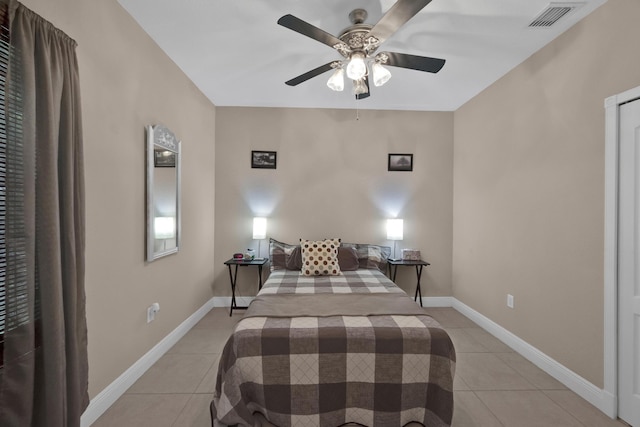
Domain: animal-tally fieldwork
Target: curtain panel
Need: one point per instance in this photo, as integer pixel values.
(44, 377)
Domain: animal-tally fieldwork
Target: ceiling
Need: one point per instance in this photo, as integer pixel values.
(237, 54)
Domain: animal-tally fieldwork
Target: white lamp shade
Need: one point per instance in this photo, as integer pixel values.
(259, 228)
(360, 87)
(394, 229)
(356, 69)
(164, 227)
(380, 74)
(336, 81)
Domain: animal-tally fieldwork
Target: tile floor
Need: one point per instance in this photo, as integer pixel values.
(493, 386)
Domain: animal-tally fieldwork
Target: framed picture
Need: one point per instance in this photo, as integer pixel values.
(263, 159)
(164, 159)
(401, 162)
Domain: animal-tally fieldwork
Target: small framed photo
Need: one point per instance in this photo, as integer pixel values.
(401, 162)
(164, 159)
(263, 159)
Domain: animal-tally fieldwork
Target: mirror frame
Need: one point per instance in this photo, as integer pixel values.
(160, 136)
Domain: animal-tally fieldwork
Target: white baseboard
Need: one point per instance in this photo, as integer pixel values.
(599, 398)
(113, 391)
(437, 301)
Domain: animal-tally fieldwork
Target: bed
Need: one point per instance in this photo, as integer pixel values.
(329, 350)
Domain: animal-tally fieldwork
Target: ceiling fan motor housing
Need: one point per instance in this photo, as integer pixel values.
(355, 36)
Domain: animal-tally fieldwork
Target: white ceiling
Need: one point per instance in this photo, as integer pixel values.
(237, 55)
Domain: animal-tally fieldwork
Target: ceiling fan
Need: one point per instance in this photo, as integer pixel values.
(358, 44)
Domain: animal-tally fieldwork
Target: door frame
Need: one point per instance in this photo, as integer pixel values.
(611, 187)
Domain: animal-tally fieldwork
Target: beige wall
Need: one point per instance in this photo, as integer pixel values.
(529, 189)
(127, 82)
(332, 181)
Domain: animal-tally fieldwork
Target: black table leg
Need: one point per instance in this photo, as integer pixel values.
(418, 290)
(233, 279)
(394, 272)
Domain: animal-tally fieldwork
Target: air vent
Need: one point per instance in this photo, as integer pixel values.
(553, 13)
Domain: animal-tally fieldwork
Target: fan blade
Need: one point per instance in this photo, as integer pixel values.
(401, 12)
(420, 63)
(368, 92)
(310, 74)
(302, 27)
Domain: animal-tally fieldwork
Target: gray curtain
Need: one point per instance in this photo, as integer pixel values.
(44, 378)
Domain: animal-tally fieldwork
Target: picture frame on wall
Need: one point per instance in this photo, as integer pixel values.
(263, 159)
(400, 162)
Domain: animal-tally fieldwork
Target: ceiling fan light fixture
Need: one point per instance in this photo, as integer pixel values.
(358, 43)
(360, 87)
(356, 69)
(380, 74)
(336, 81)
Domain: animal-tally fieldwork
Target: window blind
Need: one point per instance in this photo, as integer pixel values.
(4, 63)
(15, 300)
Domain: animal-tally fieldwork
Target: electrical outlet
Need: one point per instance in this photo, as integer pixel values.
(509, 300)
(151, 314)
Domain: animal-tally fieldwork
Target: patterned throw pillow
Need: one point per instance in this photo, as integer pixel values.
(280, 254)
(320, 257)
(371, 256)
(294, 262)
(348, 259)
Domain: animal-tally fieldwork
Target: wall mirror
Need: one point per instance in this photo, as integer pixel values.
(163, 192)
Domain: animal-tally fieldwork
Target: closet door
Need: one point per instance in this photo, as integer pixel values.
(629, 265)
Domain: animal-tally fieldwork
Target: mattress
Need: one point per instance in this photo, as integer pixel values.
(331, 350)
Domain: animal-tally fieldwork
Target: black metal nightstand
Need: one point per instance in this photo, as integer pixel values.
(233, 276)
(393, 270)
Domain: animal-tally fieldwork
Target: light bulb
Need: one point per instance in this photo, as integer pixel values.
(336, 81)
(360, 87)
(380, 74)
(356, 69)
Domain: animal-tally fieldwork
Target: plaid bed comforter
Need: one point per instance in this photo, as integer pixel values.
(303, 368)
(362, 281)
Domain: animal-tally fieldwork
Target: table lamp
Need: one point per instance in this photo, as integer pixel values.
(394, 232)
(259, 231)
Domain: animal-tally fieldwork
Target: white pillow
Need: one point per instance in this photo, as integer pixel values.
(320, 257)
